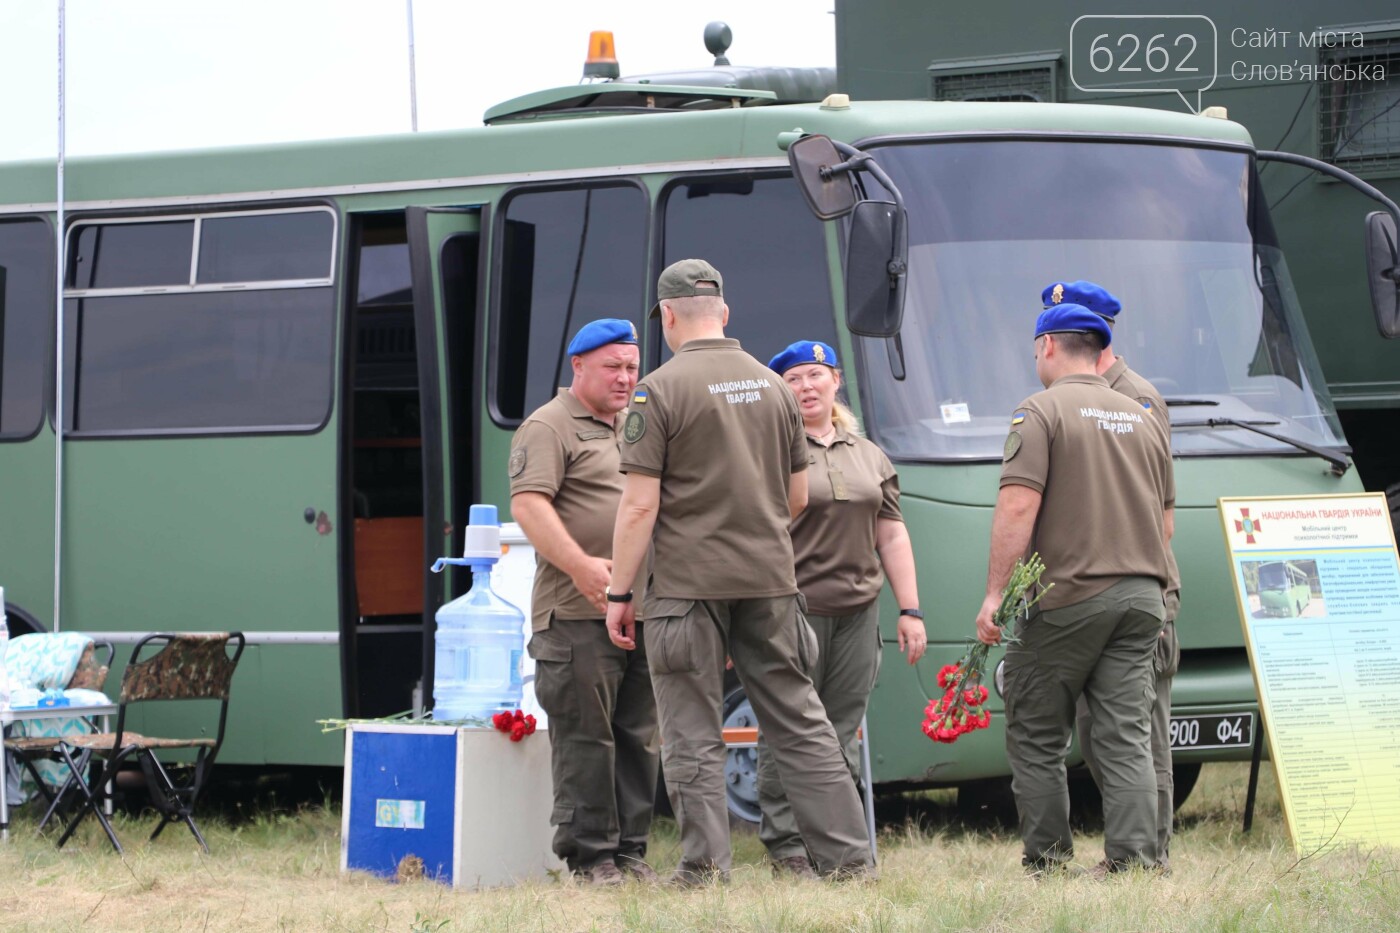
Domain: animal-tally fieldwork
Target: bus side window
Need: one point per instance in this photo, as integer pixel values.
(26, 277)
(241, 339)
(567, 256)
(771, 251)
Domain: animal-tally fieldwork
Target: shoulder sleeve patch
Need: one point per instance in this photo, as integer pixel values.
(1018, 417)
(517, 461)
(1013, 444)
(634, 427)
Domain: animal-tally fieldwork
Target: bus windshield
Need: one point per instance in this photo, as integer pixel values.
(1180, 234)
(1273, 577)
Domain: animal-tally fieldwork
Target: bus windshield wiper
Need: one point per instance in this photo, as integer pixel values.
(1335, 457)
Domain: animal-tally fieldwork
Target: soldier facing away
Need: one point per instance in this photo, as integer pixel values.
(1086, 481)
(716, 462)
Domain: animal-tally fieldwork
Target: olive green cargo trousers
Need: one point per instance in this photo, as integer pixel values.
(603, 740)
(772, 648)
(1164, 665)
(848, 660)
(1101, 648)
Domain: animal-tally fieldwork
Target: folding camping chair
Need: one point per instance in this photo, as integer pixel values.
(45, 661)
(182, 667)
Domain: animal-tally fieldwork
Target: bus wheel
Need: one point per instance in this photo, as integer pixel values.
(987, 803)
(741, 764)
(1184, 776)
(20, 622)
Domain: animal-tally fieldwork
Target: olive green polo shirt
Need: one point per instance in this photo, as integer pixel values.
(1104, 471)
(565, 452)
(851, 485)
(723, 434)
(1122, 379)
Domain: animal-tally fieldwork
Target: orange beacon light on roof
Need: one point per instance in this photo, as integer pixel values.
(602, 56)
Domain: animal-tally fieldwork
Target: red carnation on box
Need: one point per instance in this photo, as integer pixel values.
(517, 725)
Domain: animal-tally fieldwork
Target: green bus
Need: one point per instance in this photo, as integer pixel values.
(1284, 589)
(289, 369)
(1320, 78)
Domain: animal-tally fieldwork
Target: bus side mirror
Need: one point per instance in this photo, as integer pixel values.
(829, 195)
(1383, 272)
(876, 259)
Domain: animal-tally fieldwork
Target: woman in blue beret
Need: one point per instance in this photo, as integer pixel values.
(846, 542)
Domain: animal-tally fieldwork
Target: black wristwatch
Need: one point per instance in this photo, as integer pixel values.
(911, 613)
(617, 597)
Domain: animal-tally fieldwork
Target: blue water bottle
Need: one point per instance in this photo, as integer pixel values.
(480, 637)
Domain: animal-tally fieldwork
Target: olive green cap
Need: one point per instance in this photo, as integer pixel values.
(682, 280)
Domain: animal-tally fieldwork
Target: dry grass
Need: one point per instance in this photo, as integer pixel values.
(280, 871)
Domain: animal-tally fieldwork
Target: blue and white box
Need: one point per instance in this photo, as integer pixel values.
(471, 804)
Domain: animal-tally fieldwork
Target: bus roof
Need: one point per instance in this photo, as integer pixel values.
(741, 137)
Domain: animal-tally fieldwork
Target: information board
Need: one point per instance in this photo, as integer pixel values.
(1318, 588)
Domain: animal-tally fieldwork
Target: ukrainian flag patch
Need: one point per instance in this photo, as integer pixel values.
(639, 397)
(1147, 404)
(1018, 418)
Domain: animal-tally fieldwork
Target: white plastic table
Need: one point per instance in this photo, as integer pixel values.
(19, 713)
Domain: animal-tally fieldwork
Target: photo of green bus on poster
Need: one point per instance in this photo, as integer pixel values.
(1283, 589)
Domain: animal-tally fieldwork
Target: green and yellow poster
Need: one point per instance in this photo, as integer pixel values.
(1318, 587)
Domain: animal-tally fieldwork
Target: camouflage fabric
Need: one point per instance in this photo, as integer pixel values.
(103, 742)
(189, 667)
(33, 744)
(91, 673)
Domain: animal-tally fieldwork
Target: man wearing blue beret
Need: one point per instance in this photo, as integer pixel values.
(565, 487)
(1120, 378)
(1086, 482)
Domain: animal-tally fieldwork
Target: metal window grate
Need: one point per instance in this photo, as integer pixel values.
(1359, 120)
(1020, 84)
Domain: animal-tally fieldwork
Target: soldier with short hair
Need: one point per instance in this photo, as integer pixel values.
(565, 487)
(1167, 660)
(1086, 481)
(716, 462)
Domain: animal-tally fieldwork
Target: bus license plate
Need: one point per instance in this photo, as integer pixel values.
(1231, 730)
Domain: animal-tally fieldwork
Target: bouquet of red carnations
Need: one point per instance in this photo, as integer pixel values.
(960, 710)
(517, 725)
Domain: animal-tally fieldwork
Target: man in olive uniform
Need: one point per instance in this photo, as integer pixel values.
(715, 457)
(565, 487)
(1086, 482)
(1120, 378)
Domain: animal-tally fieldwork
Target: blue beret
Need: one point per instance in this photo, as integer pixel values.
(1065, 318)
(802, 353)
(1094, 297)
(600, 333)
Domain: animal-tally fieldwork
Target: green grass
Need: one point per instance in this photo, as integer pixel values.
(279, 871)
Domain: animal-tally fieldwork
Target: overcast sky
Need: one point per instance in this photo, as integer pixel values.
(161, 74)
